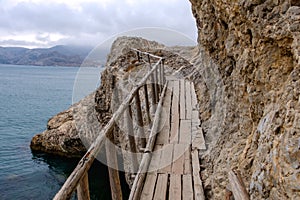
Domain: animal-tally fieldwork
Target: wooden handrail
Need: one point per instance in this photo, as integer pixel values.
(85, 163)
(139, 180)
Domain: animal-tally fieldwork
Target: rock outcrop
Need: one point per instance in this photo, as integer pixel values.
(64, 131)
(249, 94)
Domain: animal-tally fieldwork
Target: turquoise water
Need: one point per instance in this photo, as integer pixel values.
(29, 96)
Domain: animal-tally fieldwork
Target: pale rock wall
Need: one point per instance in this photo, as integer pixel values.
(249, 94)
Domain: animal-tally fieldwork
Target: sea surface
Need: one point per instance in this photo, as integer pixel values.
(29, 96)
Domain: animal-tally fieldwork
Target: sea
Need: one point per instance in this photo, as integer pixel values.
(29, 96)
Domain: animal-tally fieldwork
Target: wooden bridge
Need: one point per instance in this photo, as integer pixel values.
(170, 164)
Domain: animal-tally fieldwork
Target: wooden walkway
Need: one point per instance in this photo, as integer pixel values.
(170, 165)
(174, 169)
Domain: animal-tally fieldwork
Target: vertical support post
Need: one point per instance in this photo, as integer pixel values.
(147, 104)
(83, 192)
(163, 69)
(161, 76)
(156, 85)
(152, 85)
(112, 163)
(140, 119)
(132, 144)
(138, 55)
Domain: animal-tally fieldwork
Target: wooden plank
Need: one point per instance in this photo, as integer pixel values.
(163, 136)
(83, 192)
(187, 162)
(154, 164)
(185, 132)
(178, 158)
(194, 97)
(195, 117)
(161, 187)
(175, 102)
(182, 99)
(166, 158)
(198, 187)
(149, 187)
(188, 100)
(167, 106)
(175, 187)
(238, 187)
(187, 187)
(174, 133)
(198, 139)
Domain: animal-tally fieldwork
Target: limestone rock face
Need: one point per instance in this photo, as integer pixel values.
(64, 131)
(249, 94)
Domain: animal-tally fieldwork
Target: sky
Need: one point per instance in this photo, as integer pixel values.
(40, 23)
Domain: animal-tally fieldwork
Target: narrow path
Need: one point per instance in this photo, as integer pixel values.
(174, 170)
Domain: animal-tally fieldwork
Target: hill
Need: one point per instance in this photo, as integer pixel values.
(60, 55)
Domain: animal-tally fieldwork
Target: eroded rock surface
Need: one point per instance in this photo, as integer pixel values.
(250, 103)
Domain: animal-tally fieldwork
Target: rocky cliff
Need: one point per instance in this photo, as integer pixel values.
(246, 70)
(249, 102)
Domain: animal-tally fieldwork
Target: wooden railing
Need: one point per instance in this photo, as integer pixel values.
(79, 177)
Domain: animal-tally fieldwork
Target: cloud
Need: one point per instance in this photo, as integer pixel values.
(85, 22)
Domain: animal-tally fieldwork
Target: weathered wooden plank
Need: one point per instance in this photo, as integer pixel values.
(185, 133)
(149, 187)
(188, 100)
(187, 162)
(198, 139)
(194, 97)
(187, 187)
(175, 187)
(195, 117)
(182, 99)
(161, 187)
(175, 102)
(178, 158)
(166, 158)
(174, 133)
(83, 192)
(198, 187)
(238, 187)
(155, 160)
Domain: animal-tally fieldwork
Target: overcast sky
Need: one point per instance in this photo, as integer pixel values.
(40, 23)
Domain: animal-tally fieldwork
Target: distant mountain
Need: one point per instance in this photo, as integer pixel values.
(55, 56)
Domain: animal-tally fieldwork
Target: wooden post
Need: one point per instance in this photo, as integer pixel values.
(152, 78)
(112, 163)
(83, 192)
(238, 187)
(156, 85)
(161, 75)
(132, 144)
(147, 104)
(138, 55)
(163, 69)
(140, 122)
